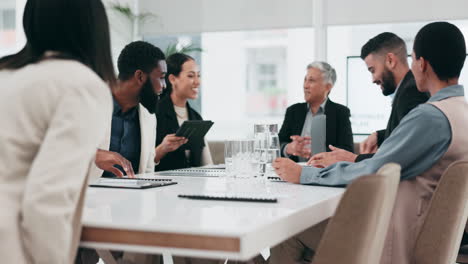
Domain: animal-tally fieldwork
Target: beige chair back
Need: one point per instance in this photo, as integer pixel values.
(357, 231)
(217, 151)
(441, 233)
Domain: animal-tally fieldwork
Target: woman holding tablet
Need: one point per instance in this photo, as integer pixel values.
(183, 81)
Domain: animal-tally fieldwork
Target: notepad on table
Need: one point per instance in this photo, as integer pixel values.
(129, 183)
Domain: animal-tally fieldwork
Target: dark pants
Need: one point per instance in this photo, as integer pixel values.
(464, 239)
(90, 256)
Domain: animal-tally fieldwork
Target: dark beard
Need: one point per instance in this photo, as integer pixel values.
(388, 83)
(148, 98)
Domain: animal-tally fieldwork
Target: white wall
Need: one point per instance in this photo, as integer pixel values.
(120, 27)
(342, 12)
(20, 37)
(229, 81)
(5, 4)
(182, 16)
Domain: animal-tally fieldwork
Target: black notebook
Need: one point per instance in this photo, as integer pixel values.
(129, 183)
(229, 198)
(276, 179)
(194, 130)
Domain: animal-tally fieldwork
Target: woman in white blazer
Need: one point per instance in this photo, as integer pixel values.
(54, 108)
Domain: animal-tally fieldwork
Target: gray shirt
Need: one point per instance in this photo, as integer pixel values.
(315, 127)
(417, 143)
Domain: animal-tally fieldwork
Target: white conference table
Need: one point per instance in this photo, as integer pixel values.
(157, 221)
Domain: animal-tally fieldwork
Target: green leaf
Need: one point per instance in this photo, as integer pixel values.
(172, 48)
(124, 10)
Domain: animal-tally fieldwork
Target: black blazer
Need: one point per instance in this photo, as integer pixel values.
(406, 98)
(338, 128)
(167, 124)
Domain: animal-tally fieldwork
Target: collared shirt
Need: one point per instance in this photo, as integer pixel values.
(396, 90)
(125, 136)
(314, 127)
(417, 143)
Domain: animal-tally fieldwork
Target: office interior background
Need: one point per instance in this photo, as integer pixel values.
(254, 52)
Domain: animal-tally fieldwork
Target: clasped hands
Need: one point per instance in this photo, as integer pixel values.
(299, 146)
(290, 171)
(325, 159)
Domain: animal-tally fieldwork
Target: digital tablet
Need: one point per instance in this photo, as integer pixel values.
(194, 130)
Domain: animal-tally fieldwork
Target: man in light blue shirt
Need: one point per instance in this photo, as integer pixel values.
(405, 146)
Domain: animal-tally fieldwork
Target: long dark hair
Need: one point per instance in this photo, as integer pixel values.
(174, 67)
(74, 29)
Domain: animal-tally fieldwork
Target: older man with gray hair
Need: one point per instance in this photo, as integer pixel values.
(318, 124)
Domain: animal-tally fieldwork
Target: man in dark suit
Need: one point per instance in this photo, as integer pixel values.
(315, 125)
(386, 58)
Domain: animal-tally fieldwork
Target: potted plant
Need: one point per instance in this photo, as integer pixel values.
(135, 19)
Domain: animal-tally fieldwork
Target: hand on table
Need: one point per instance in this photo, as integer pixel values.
(105, 160)
(325, 159)
(287, 170)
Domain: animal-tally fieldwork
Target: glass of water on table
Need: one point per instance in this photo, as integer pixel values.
(268, 147)
(228, 156)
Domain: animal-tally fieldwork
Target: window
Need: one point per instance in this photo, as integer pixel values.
(369, 109)
(248, 77)
(12, 38)
(7, 30)
(266, 81)
(252, 77)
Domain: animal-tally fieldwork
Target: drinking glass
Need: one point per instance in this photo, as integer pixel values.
(268, 156)
(237, 158)
(307, 133)
(228, 152)
(246, 159)
(267, 147)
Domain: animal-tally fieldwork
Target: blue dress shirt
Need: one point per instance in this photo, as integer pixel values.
(420, 140)
(125, 136)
